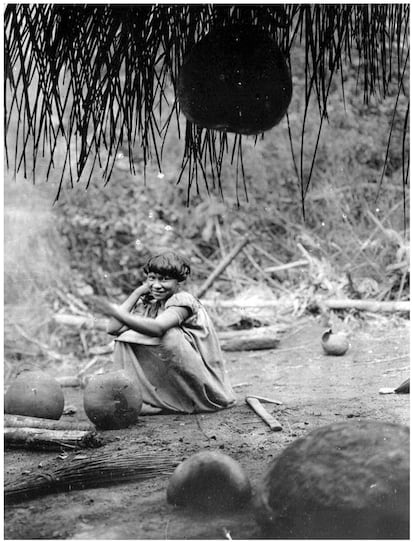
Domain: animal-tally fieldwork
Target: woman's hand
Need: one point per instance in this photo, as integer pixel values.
(144, 288)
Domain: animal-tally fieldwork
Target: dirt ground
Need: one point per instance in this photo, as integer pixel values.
(315, 390)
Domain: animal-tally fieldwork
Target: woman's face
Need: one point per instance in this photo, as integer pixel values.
(161, 286)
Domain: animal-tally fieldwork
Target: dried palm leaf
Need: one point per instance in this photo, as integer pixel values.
(97, 470)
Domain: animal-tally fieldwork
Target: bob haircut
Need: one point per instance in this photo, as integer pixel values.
(169, 264)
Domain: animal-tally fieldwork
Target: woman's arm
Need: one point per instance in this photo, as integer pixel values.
(154, 327)
(114, 325)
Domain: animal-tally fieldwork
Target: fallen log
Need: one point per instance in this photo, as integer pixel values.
(50, 439)
(105, 469)
(14, 420)
(249, 343)
(367, 305)
(335, 304)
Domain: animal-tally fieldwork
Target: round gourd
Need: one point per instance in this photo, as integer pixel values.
(235, 79)
(334, 344)
(210, 481)
(112, 400)
(346, 480)
(34, 393)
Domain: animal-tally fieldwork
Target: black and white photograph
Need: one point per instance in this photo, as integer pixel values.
(206, 271)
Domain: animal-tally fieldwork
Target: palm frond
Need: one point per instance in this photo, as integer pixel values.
(95, 77)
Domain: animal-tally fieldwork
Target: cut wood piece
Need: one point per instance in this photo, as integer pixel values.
(105, 469)
(50, 439)
(14, 420)
(256, 405)
(259, 338)
(239, 343)
(69, 381)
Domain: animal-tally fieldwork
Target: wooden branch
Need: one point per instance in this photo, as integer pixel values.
(14, 420)
(50, 439)
(222, 266)
(367, 305)
(97, 470)
(88, 322)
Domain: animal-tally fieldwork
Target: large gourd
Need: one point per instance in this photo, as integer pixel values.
(35, 393)
(346, 480)
(210, 481)
(112, 400)
(235, 79)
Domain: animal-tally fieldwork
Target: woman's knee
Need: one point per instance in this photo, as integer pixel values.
(171, 338)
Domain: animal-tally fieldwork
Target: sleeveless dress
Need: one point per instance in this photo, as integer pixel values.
(184, 370)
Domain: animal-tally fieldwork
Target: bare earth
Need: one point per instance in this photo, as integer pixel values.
(315, 390)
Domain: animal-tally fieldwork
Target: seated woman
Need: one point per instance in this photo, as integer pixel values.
(166, 341)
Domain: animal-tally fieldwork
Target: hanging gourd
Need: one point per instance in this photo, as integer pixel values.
(235, 79)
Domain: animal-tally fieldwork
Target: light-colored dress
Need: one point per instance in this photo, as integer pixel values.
(184, 370)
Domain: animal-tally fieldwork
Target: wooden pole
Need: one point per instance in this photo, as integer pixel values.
(49, 439)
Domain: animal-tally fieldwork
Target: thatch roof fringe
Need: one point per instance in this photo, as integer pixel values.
(100, 72)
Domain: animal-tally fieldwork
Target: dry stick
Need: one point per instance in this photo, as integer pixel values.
(284, 267)
(14, 420)
(265, 253)
(222, 266)
(101, 469)
(223, 254)
(90, 364)
(400, 291)
(263, 274)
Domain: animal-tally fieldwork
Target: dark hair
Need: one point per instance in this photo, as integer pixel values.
(170, 264)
